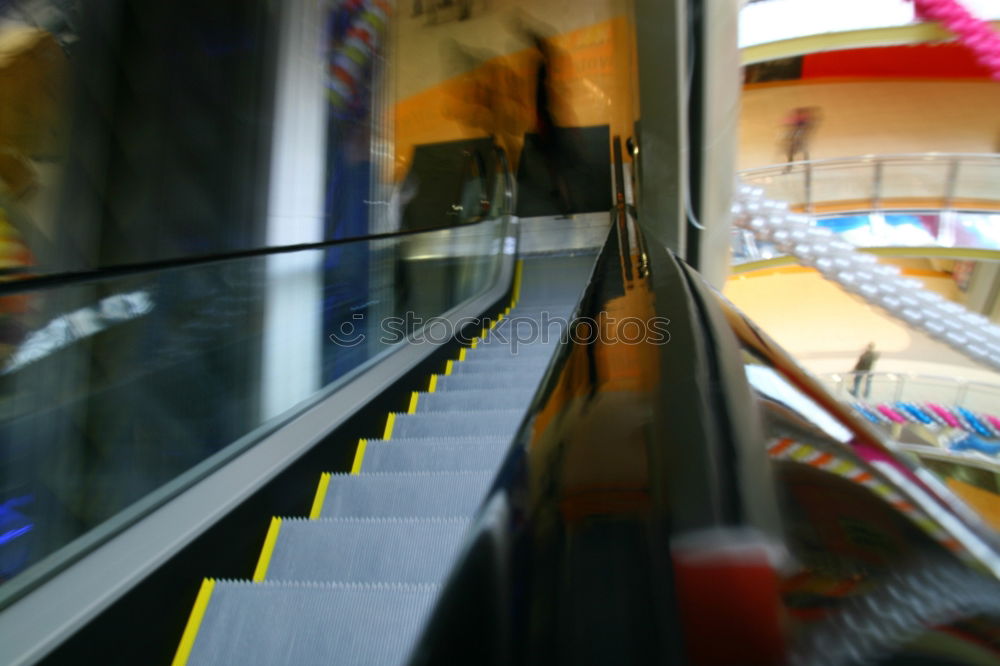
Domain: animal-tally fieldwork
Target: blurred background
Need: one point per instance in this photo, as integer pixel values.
(200, 201)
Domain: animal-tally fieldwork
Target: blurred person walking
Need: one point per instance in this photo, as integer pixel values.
(863, 370)
(553, 143)
(799, 128)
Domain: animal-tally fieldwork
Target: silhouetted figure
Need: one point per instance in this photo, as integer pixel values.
(863, 370)
(551, 142)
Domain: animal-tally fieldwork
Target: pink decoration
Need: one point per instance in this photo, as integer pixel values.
(948, 417)
(891, 414)
(973, 32)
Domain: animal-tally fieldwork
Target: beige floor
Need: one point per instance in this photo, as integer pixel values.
(826, 328)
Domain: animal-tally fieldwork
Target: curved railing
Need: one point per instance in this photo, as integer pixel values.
(906, 181)
(889, 398)
(907, 387)
(931, 200)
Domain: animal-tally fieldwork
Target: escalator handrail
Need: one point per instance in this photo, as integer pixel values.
(509, 182)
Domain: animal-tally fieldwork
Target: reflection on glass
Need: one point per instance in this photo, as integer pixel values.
(126, 383)
(140, 131)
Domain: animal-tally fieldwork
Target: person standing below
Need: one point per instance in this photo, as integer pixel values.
(863, 370)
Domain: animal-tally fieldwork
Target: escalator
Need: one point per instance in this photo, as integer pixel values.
(557, 489)
(235, 398)
(355, 581)
(606, 470)
(551, 489)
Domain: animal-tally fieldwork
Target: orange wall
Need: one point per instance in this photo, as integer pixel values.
(592, 81)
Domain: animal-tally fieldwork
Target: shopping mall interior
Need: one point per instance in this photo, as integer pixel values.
(500, 332)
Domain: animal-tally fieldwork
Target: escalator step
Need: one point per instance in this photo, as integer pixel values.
(514, 349)
(534, 310)
(523, 330)
(366, 550)
(525, 327)
(297, 624)
(473, 400)
(501, 379)
(500, 351)
(430, 442)
(392, 457)
(530, 366)
(405, 495)
(500, 422)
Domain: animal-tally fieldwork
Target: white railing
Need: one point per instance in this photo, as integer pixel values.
(944, 181)
(891, 387)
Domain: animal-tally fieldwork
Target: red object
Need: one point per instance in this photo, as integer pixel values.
(945, 61)
(976, 34)
(730, 607)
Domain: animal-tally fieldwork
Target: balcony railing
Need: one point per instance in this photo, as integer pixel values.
(892, 387)
(923, 181)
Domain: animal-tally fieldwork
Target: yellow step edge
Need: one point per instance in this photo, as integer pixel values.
(486, 330)
(493, 324)
(518, 270)
(461, 353)
(265, 553)
(500, 318)
(433, 384)
(389, 423)
(475, 342)
(507, 311)
(448, 367)
(359, 456)
(194, 622)
(414, 397)
(317, 507)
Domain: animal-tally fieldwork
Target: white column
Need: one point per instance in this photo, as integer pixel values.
(291, 363)
(720, 119)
